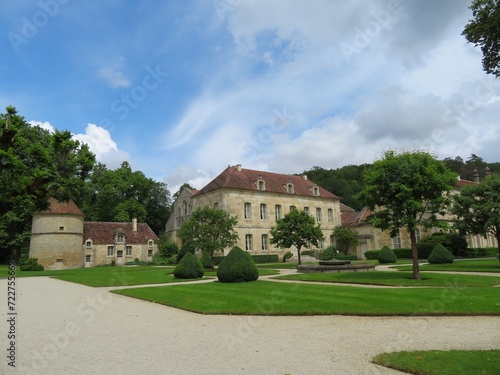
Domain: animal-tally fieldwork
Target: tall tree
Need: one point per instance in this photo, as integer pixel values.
(209, 230)
(477, 208)
(345, 238)
(484, 30)
(34, 166)
(121, 194)
(407, 190)
(297, 228)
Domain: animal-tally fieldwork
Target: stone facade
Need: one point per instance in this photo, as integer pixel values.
(257, 199)
(60, 239)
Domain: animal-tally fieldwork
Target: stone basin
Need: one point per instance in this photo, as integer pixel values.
(360, 267)
(333, 262)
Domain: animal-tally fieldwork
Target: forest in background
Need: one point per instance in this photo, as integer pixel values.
(347, 181)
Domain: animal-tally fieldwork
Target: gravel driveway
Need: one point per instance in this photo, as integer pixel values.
(67, 328)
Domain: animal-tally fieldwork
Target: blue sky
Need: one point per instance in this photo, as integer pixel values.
(181, 89)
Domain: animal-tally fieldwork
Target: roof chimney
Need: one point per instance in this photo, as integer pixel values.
(238, 167)
(305, 176)
(487, 171)
(134, 224)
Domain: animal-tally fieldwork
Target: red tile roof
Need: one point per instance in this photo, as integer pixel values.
(247, 179)
(102, 233)
(56, 207)
(358, 217)
(461, 183)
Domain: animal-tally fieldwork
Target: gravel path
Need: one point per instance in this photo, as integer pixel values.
(66, 328)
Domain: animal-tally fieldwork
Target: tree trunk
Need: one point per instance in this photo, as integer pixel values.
(298, 253)
(414, 256)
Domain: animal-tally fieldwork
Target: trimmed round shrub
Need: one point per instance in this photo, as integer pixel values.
(328, 254)
(440, 255)
(386, 255)
(206, 260)
(238, 266)
(287, 255)
(183, 250)
(189, 268)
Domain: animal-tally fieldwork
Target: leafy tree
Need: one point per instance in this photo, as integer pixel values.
(166, 247)
(484, 30)
(407, 190)
(477, 208)
(209, 230)
(121, 194)
(297, 228)
(346, 238)
(34, 166)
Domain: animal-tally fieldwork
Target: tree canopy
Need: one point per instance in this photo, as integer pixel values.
(209, 230)
(297, 228)
(35, 165)
(484, 31)
(121, 194)
(406, 190)
(477, 208)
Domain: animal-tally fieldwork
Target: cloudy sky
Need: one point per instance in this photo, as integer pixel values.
(181, 89)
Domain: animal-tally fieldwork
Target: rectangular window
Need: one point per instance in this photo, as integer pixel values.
(263, 211)
(332, 240)
(289, 188)
(261, 185)
(89, 243)
(330, 215)
(292, 208)
(320, 244)
(306, 210)
(111, 251)
(216, 206)
(120, 237)
(318, 214)
(61, 227)
(396, 241)
(265, 242)
(417, 234)
(248, 211)
(308, 245)
(128, 251)
(277, 211)
(315, 191)
(248, 242)
(87, 258)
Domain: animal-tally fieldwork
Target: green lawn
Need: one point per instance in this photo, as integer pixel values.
(490, 265)
(396, 278)
(455, 362)
(272, 298)
(114, 276)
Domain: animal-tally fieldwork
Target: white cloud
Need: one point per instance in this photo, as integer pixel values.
(114, 77)
(100, 142)
(43, 124)
(184, 173)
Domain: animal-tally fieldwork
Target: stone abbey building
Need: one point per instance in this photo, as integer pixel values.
(60, 238)
(258, 199)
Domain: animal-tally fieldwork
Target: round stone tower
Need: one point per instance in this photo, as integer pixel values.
(57, 236)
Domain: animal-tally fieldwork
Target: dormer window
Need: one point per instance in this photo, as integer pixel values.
(120, 238)
(315, 191)
(289, 188)
(88, 243)
(261, 185)
(150, 243)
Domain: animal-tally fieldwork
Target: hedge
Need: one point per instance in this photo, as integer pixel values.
(258, 258)
(477, 252)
